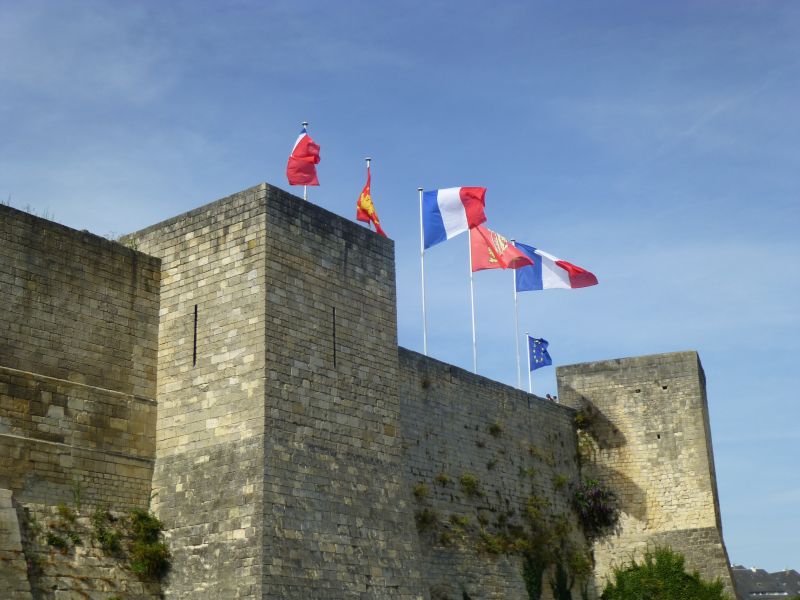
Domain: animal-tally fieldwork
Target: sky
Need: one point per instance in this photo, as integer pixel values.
(652, 143)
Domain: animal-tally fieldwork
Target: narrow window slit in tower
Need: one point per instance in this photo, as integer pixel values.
(194, 351)
(334, 335)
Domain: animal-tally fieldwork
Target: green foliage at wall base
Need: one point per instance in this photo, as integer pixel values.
(660, 576)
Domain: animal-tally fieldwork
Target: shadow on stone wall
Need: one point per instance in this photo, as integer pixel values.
(598, 426)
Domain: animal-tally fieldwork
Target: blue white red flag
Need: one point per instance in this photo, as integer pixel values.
(549, 272)
(450, 211)
(302, 166)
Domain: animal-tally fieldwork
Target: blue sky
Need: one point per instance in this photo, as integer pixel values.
(655, 144)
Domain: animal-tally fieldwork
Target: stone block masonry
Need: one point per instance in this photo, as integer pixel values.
(519, 448)
(337, 510)
(61, 440)
(14, 582)
(76, 306)
(246, 363)
(647, 434)
(278, 466)
(208, 484)
(77, 365)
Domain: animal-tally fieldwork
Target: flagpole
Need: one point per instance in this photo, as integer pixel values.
(422, 272)
(305, 187)
(368, 159)
(516, 323)
(528, 344)
(472, 304)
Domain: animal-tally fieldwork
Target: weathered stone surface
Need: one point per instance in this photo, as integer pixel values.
(14, 584)
(59, 438)
(648, 436)
(76, 306)
(291, 433)
(208, 484)
(336, 505)
(519, 447)
(81, 569)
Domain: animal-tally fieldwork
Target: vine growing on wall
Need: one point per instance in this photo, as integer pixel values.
(597, 508)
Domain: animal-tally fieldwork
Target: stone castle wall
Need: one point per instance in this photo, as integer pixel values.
(647, 435)
(251, 355)
(76, 306)
(77, 364)
(519, 447)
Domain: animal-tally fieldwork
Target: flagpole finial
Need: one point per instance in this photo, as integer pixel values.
(419, 189)
(305, 123)
(368, 159)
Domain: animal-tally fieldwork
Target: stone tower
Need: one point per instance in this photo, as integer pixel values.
(646, 433)
(278, 422)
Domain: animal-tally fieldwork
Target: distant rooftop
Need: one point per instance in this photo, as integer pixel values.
(758, 584)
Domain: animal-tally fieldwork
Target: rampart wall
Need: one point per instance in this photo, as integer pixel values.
(77, 364)
(521, 450)
(78, 325)
(76, 306)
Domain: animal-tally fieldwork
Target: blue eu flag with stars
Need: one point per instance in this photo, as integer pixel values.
(537, 353)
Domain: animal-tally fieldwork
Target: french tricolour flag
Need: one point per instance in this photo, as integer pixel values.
(448, 212)
(549, 272)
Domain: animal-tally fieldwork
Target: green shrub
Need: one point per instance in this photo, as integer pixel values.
(495, 429)
(470, 485)
(492, 543)
(150, 557)
(150, 560)
(443, 480)
(56, 541)
(420, 491)
(105, 532)
(661, 576)
(460, 521)
(425, 519)
(66, 513)
(74, 538)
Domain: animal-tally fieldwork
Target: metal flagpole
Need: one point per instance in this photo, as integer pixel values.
(516, 324)
(528, 345)
(422, 271)
(305, 187)
(368, 159)
(472, 303)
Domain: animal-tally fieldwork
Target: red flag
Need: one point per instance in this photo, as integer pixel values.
(365, 209)
(490, 250)
(302, 167)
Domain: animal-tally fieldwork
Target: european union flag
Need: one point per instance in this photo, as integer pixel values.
(537, 353)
